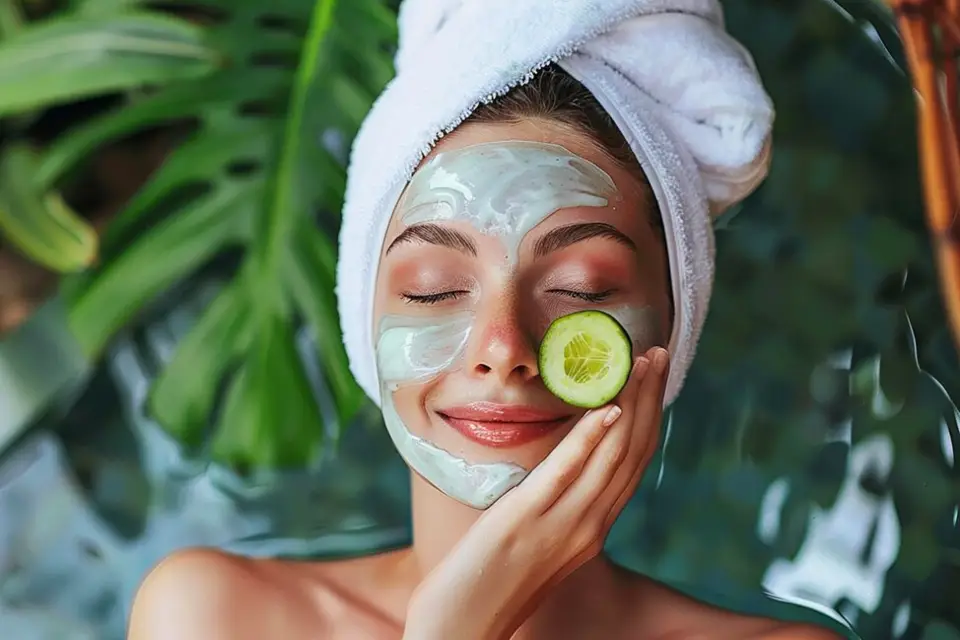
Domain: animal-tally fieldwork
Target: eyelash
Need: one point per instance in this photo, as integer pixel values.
(434, 298)
(586, 296)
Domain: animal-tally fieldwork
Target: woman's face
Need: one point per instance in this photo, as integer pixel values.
(468, 286)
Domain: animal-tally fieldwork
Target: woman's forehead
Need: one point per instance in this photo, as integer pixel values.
(529, 130)
(622, 204)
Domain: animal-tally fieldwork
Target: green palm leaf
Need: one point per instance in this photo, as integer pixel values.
(254, 176)
(71, 56)
(63, 59)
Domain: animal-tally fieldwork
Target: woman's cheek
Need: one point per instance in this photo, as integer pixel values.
(413, 401)
(409, 401)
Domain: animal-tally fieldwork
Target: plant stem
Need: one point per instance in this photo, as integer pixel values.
(284, 208)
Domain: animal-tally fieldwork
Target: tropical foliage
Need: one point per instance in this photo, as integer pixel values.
(272, 92)
(826, 333)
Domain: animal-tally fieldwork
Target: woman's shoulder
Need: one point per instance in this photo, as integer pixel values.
(209, 594)
(204, 593)
(680, 616)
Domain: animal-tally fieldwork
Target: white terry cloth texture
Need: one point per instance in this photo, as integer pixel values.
(684, 93)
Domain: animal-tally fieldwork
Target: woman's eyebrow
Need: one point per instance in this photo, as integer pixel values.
(438, 235)
(562, 237)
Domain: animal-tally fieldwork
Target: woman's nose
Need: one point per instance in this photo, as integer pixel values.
(499, 346)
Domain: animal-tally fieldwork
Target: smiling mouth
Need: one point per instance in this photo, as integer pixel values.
(501, 427)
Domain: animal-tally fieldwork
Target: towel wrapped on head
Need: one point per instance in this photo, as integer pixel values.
(685, 95)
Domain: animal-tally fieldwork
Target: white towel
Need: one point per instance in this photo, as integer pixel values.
(685, 95)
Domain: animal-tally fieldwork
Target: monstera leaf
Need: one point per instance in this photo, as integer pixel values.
(61, 59)
(273, 92)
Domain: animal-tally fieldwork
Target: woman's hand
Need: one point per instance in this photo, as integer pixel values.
(552, 523)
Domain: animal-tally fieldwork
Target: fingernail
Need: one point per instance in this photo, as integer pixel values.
(640, 366)
(612, 414)
(660, 358)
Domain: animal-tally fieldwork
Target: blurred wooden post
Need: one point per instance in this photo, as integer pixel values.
(930, 30)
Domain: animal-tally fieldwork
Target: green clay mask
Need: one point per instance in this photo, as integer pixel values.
(504, 189)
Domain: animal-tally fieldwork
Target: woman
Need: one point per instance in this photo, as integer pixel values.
(574, 189)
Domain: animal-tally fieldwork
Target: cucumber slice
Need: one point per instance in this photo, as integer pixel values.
(585, 358)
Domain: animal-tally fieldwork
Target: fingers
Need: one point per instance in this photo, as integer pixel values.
(564, 464)
(613, 450)
(628, 490)
(646, 438)
(650, 400)
(620, 458)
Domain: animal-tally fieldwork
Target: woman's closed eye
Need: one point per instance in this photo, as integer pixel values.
(443, 296)
(433, 298)
(586, 296)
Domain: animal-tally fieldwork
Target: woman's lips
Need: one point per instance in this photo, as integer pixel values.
(501, 426)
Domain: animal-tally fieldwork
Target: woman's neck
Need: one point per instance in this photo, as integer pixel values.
(439, 522)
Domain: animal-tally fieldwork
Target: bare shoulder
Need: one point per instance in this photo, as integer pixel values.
(680, 616)
(743, 627)
(208, 594)
(798, 632)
